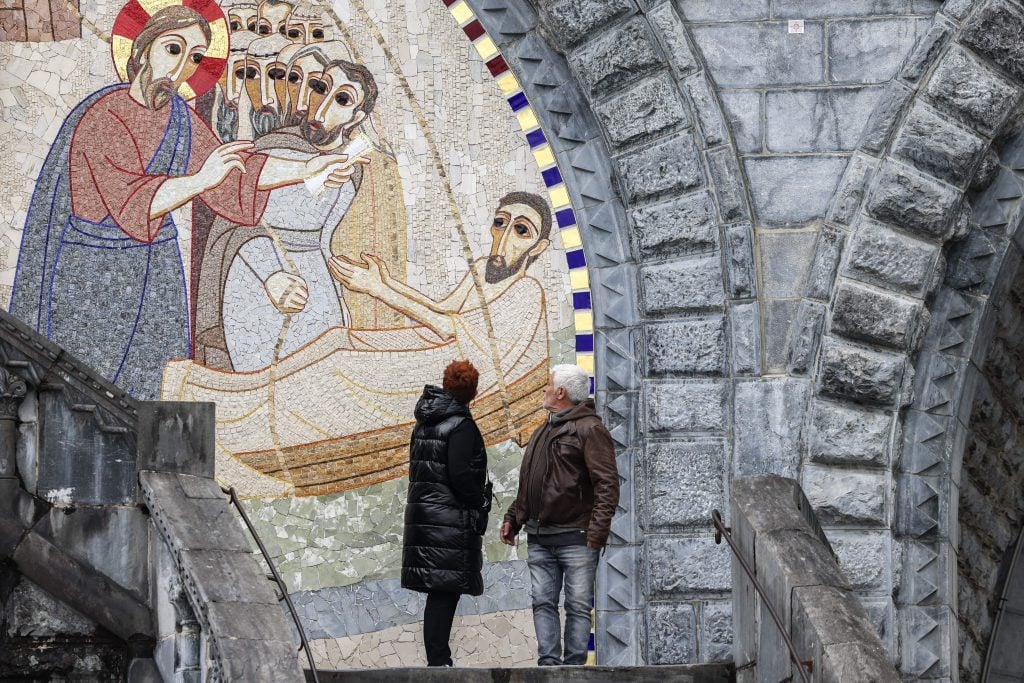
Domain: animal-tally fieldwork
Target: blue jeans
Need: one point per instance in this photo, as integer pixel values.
(550, 566)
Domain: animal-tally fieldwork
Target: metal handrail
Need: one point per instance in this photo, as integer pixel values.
(277, 578)
(802, 666)
(1018, 546)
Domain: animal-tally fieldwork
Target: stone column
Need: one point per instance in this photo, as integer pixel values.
(12, 391)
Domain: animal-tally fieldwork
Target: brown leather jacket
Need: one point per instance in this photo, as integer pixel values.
(580, 480)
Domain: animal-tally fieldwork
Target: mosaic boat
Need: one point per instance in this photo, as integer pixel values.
(337, 414)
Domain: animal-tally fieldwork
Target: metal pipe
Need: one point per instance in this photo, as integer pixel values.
(722, 531)
(997, 620)
(278, 579)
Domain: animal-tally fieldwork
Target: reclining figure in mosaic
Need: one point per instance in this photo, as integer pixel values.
(334, 415)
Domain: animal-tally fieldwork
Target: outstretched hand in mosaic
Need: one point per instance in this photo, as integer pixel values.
(305, 292)
(358, 386)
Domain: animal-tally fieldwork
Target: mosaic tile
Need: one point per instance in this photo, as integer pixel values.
(231, 296)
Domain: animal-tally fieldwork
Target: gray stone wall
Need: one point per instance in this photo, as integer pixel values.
(779, 538)
(845, 347)
(796, 104)
(991, 489)
(120, 557)
(642, 141)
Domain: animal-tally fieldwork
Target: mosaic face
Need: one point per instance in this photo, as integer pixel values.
(272, 17)
(300, 72)
(305, 30)
(233, 80)
(266, 84)
(242, 18)
(176, 55)
(334, 106)
(516, 233)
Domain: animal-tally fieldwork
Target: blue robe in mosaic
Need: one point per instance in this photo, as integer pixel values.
(118, 304)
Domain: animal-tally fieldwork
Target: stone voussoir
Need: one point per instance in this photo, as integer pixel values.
(847, 497)
(828, 251)
(744, 328)
(672, 166)
(740, 260)
(850, 193)
(885, 117)
(643, 111)
(971, 91)
(727, 183)
(805, 336)
(571, 21)
(691, 284)
(875, 316)
(882, 255)
(913, 201)
(686, 347)
(673, 629)
(685, 406)
(995, 32)
(686, 481)
(685, 566)
(926, 51)
(842, 434)
(848, 371)
(672, 31)
(709, 113)
(616, 57)
(938, 146)
(678, 227)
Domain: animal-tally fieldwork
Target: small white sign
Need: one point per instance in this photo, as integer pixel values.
(796, 25)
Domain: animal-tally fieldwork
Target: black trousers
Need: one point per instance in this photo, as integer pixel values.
(437, 626)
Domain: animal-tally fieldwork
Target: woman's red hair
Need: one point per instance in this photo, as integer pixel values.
(460, 378)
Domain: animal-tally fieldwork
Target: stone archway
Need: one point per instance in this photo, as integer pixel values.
(879, 374)
(961, 440)
(663, 207)
(897, 320)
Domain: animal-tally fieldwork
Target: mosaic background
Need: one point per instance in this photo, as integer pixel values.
(340, 552)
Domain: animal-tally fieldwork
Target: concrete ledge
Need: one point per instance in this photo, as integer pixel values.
(700, 673)
(248, 633)
(777, 534)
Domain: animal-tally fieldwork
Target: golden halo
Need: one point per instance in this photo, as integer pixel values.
(133, 17)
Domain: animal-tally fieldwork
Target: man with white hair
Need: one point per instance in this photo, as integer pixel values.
(568, 490)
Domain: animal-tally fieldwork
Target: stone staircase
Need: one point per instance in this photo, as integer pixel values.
(696, 673)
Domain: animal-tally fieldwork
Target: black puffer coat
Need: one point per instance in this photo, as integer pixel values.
(443, 529)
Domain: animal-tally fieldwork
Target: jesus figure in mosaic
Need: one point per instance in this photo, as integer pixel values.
(100, 271)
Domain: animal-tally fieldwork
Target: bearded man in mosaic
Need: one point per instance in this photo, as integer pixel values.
(99, 269)
(324, 383)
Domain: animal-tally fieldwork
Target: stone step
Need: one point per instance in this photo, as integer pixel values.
(696, 673)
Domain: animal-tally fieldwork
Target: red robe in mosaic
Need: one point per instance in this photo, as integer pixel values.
(96, 274)
(110, 150)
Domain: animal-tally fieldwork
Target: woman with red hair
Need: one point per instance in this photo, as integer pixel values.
(446, 509)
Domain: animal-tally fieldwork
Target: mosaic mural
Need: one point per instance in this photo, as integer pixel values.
(301, 212)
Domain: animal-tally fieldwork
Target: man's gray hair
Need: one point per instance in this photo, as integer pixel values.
(573, 379)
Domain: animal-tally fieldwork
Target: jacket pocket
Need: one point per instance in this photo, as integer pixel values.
(568, 446)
